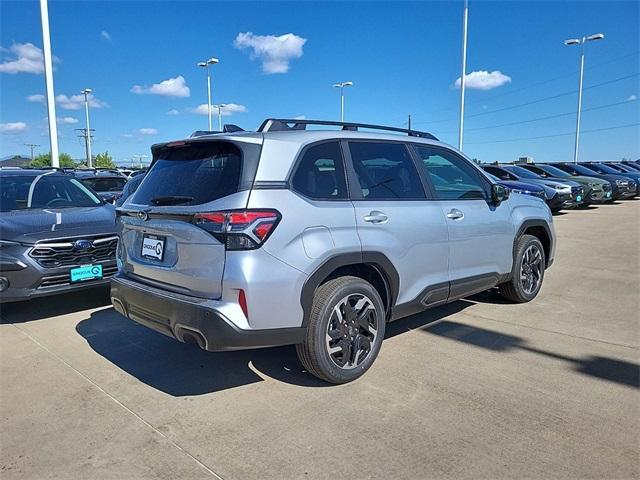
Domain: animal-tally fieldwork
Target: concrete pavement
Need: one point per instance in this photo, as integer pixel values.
(476, 389)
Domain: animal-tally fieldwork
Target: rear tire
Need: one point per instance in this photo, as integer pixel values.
(527, 272)
(345, 330)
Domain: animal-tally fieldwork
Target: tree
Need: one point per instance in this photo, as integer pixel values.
(44, 160)
(103, 160)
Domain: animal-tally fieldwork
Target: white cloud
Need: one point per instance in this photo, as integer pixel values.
(227, 110)
(37, 97)
(147, 131)
(632, 98)
(274, 52)
(300, 117)
(483, 80)
(28, 59)
(173, 87)
(76, 102)
(173, 111)
(105, 35)
(14, 127)
(67, 120)
(127, 135)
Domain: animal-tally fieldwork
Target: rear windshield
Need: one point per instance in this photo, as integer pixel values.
(192, 174)
(22, 192)
(105, 184)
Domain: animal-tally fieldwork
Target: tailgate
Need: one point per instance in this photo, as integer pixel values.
(186, 259)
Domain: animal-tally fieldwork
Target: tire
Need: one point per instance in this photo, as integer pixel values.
(526, 280)
(346, 326)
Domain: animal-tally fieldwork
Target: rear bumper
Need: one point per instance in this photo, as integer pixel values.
(190, 319)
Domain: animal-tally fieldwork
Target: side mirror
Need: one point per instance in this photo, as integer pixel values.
(499, 193)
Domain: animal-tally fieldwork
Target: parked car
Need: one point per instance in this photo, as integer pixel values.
(564, 194)
(56, 235)
(130, 188)
(632, 164)
(105, 183)
(521, 187)
(318, 238)
(620, 187)
(595, 190)
(602, 168)
(622, 168)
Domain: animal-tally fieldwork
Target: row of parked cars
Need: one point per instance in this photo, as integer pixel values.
(285, 235)
(565, 185)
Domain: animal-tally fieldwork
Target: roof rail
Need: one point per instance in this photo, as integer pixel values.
(287, 124)
(226, 128)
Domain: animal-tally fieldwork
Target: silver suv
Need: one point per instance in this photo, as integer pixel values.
(318, 238)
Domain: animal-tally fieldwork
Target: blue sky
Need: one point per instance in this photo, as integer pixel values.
(402, 57)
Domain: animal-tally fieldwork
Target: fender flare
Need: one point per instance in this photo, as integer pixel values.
(377, 260)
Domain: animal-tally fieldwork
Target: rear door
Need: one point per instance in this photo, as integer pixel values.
(395, 217)
(480, 233)
(160, 241)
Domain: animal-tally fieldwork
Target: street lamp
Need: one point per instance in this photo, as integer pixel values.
(465, 19)
(220, 106)
(341, 86)
(205, 64)
(581, 42)
(87, 133)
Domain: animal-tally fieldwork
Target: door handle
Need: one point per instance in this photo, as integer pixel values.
(376, 216)
(455, 214)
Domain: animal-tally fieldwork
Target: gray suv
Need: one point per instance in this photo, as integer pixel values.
(318, 238)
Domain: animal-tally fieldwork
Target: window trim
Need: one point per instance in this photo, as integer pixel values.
(484, 181)
(288, 183)
(356, 188)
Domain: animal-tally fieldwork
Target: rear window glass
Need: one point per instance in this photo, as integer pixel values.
(105, 184)
(18, 192)
(193, 174)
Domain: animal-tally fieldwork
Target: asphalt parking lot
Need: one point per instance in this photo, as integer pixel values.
(476, 389)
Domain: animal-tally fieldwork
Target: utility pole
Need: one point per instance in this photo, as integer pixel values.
(87, 136)
(86, 92)
(32, 146)
(139, 157)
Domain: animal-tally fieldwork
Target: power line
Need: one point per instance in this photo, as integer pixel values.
(544, 99)
(548, 117)
(556, 135)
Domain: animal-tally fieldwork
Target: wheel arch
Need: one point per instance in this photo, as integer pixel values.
(374, 267)
(539, 229)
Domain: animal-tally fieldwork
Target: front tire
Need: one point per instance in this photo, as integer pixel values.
(345, 330)
(527, 272)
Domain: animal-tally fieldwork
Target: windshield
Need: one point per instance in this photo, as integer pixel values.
(601, 168)
(554, 171)
(109, 184)
(22, 192)
(521, 172)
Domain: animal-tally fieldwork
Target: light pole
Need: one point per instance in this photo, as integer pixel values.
(32, 146)
(48, 74)
(465, 17)
(205, 64)
(87, 139)
(220, 106)
(581, 42)
(341, 86)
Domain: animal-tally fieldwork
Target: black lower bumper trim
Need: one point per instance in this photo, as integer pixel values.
(189, 321)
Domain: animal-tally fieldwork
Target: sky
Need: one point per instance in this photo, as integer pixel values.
(280, 59)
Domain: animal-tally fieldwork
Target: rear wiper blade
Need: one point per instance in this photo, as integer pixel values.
(171, 200)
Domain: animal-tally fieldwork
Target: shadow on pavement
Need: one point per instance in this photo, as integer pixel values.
(184, 369)
(617, 371)
(54, 305)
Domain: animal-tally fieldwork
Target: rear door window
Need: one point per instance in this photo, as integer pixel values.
(320, 173)
(385, 171)
(192, 174)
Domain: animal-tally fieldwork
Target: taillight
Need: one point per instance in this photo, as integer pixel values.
(239, 229)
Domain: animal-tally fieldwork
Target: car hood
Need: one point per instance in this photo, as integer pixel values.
(553, 183)
(587, 180)
(31, 226)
